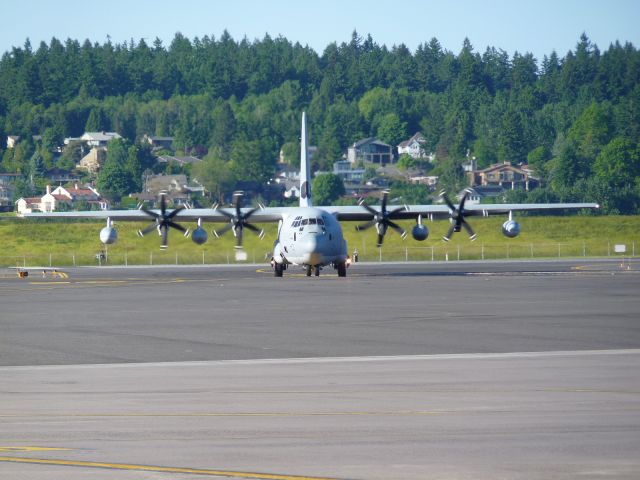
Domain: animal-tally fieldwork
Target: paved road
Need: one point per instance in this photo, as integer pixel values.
(221, 313)
(478, 370)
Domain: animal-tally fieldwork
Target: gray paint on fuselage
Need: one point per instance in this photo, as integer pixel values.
(309, 243)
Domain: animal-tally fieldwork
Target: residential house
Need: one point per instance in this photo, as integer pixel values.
(504, 175)
(86, 194)
(12, 141)
(93, 161)
(53, 199)
(414, 147)
(343, 169)
(370, 150)
(159, 142)
(6, 187)
(99, 139)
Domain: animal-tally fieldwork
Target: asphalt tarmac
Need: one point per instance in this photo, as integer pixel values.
(399, 371)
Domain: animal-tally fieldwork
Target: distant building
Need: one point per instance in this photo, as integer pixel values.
(503, 175)
(413, 147)
(346, 173)
(53, 199)
(6, 187)
(93, 161)
(12, 141)
(159, 142)
(94, 139)
(370, 150)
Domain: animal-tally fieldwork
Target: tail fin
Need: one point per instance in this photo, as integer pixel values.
(305, 168)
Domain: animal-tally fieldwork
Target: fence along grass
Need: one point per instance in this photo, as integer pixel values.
(58, 243)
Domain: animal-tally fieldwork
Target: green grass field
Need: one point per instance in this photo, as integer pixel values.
(58, 243)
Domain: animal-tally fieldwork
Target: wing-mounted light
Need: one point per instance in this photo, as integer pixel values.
(382, 219)
(163, 221)
(456, 216)
(108, 234)
(419, 232)
(511, 228)
(199, 235)
(238, 221)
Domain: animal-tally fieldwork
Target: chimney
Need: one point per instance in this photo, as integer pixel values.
(48, 189)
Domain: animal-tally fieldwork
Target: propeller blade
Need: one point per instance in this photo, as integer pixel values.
(148, 229)
(445, 197)
(467, 227)
(176, 226)
(238, 234)
(175, 212)
(164, 232)
(163, 205)
(224, 230)
(398, 229)
(367, 225)
(151, 213)
(447, 237)
(253, 228)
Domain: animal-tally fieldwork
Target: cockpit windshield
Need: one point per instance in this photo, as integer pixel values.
(301, 222)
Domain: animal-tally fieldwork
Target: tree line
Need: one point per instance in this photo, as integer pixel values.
(574, 118)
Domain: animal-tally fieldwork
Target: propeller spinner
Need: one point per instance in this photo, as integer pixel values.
(456, 215)
(163, 221)
(238, 221)
(382, 219)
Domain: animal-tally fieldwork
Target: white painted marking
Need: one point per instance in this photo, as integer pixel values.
(395, 358)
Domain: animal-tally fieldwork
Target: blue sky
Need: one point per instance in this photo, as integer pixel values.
(538, 26)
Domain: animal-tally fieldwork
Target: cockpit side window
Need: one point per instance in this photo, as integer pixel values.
(305, 221)
(312, 221)
(320, 221)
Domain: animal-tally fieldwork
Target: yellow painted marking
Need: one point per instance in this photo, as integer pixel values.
(153, 468)
(31, 449)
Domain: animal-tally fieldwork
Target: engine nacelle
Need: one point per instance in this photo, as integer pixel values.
(420, 232)
(199, 236)
(108, 235)
(510, 228)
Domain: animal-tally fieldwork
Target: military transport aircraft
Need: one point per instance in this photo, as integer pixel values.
(310, 236)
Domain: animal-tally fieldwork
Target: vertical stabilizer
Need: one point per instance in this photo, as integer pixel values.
(305, 168)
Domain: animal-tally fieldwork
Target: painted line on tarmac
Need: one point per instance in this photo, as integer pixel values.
(31, 449)
(275, 361)
(154, 468)
(381, 413)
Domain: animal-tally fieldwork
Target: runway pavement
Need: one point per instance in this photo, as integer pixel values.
(400, 371)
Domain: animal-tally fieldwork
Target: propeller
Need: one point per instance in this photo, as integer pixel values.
(163, 221)
(238, 221)
(456, 216)
(382, 219)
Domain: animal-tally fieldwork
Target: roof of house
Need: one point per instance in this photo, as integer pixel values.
(100, 136)
(503, 166)
(366, 141)
(417, 137)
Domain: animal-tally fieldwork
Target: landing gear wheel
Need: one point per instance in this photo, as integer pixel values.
(308, 270)
(278, 269)
(316, 271)
(342, 269)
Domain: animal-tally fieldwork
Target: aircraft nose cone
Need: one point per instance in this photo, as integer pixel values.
(312, 250)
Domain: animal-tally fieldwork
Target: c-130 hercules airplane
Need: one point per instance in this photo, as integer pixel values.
(310, 236)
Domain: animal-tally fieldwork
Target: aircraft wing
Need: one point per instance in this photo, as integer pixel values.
(359, 213)
(345, 213)
(268, 214)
